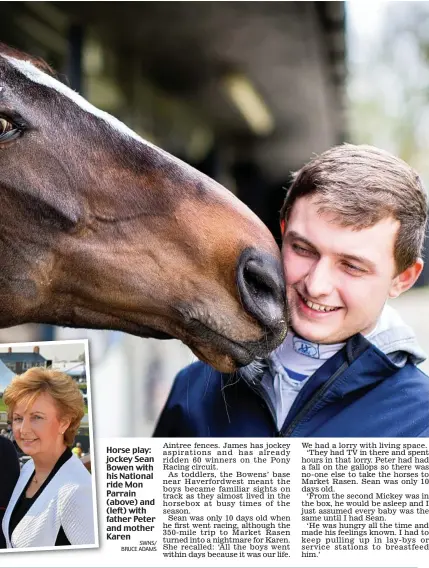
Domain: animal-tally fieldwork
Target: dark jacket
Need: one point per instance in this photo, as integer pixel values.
(9, 473)
(357, 392)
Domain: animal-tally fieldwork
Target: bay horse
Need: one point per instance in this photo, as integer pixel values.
(100, 228)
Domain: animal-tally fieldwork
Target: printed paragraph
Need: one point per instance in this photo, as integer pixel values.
(242, 484)
(369, 514)
(271, 501)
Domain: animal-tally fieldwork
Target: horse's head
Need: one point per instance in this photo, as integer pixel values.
(100, 228)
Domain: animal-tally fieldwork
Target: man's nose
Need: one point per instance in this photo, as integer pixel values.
(318, 281)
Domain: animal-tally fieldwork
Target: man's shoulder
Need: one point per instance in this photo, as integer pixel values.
(6, 446)
(407, 376)
(415, 374)
(196, 377)
(406, 390)
(406, 396)
(196, 369)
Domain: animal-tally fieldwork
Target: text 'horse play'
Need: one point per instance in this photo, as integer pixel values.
(102, 229)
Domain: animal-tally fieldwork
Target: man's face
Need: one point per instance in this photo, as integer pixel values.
(338, 279)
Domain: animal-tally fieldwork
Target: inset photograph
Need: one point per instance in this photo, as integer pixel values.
(47, 482)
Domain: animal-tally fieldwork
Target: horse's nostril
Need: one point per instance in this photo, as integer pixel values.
(256, 286)
(261, 287)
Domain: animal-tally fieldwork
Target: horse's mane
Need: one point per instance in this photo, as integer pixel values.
(36, 61)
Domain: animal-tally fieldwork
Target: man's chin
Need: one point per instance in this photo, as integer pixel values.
(322, 336)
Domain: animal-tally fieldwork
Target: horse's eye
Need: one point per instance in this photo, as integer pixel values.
(5, 126)
(8, 130)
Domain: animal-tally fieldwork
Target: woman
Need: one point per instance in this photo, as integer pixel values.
(9, 473)
(51, 504)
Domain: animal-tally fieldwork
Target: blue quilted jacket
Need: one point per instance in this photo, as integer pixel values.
(357, 392)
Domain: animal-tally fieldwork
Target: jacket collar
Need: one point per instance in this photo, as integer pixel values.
(375, 367)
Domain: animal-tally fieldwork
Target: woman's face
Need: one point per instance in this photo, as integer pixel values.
(37, 428)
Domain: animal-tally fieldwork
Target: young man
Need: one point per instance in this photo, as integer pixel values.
(353, 227)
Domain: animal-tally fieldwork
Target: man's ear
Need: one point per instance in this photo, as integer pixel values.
(403, 281)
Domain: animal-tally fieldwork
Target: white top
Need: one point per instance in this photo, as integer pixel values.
(66, 501)
(299, 359)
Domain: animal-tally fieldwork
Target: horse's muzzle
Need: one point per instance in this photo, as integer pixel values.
(260, 283)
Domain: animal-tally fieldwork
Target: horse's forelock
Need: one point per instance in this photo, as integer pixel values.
(36, 61)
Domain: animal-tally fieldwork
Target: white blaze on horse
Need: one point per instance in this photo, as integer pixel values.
(102, 229)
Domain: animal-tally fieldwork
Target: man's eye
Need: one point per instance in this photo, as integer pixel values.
(354, 269)
(301, 250)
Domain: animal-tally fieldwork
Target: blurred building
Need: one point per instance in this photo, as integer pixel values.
(19, 362)
(244, 91)
(6, 375)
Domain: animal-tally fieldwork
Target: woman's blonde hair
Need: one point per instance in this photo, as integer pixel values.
(60, 386)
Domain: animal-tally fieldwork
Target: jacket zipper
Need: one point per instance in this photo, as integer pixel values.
(313, 400)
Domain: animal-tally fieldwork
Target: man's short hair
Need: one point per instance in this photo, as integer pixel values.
(362, 185)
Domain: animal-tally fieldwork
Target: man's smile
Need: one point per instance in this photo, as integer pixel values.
(321, 308)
